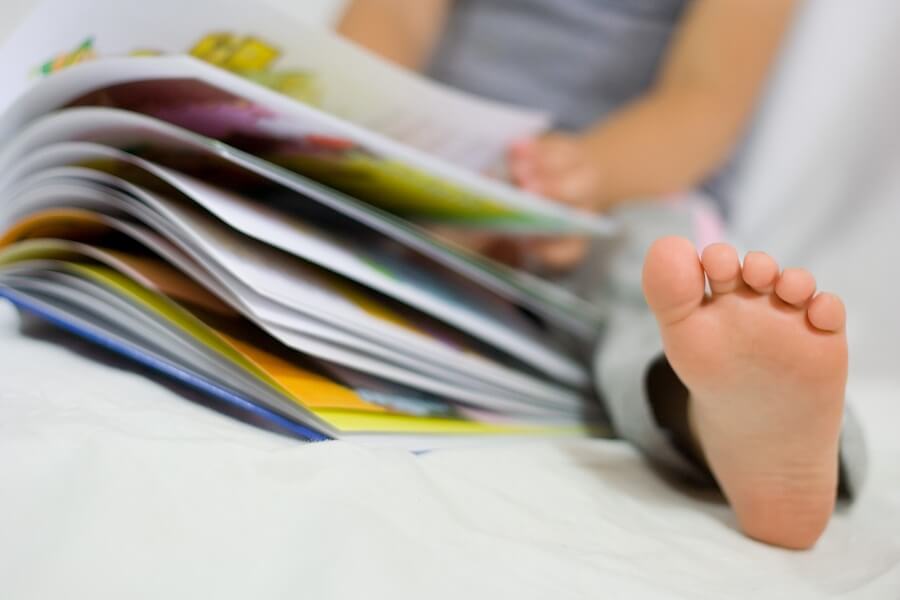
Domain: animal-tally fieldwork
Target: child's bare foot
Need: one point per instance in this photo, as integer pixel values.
(765, 362)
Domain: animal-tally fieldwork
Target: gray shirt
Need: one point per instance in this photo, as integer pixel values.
(577, 59)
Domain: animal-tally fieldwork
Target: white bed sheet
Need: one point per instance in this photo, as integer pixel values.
(113, 486)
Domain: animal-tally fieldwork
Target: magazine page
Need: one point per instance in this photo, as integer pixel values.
(229, 337)
(303, 386)
(418, 433)
(185, 151)
(305, 61)
(310, 337)
(415, 171)
(292, 294)
(167, 343)
(453, 301)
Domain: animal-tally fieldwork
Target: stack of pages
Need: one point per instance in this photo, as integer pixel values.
(245, 204)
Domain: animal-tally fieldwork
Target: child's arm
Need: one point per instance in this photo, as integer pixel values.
(401, 31)
(683, 128)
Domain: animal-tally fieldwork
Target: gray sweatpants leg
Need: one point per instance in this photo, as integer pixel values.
(630, 344)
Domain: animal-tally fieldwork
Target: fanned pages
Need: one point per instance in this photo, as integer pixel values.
(230, 201)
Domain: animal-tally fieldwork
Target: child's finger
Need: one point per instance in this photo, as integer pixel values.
(556, 255)
(556, 152)
(521, 163)
(522, 147)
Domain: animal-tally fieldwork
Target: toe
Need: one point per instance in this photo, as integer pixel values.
(673, 279)
(826, 312)
(760, 272)
(796, 286)
(723, 268)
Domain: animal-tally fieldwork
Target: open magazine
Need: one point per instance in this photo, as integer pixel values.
(242, 202)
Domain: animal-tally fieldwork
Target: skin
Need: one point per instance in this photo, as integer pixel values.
(402, 31)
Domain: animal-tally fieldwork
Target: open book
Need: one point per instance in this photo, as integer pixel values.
(242, 202)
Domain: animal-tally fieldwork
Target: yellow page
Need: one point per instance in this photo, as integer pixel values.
(357, 422)
(304, 387)
(404, 190)
(336, 404)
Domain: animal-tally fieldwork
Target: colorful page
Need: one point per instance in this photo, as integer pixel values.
(305, 62)
(303, 387)
(341, 407)
(405, 142)
(183, 151)
(363, 324)
(316, 343)
(449, 298)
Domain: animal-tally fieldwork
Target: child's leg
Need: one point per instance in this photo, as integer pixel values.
(765, 364)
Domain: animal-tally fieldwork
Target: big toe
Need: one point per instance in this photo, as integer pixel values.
(673, 279)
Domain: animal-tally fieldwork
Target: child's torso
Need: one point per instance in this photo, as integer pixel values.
(578, 59)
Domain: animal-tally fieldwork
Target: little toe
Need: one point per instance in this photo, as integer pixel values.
(723, 268)
(760, 272)
(827, 313)
(673, 279)
(796, 286)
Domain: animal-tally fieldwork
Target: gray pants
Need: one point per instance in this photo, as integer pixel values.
(630, 343)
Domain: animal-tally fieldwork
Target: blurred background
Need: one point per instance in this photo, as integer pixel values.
(819, 186)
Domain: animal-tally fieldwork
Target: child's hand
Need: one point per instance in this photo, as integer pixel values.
(541, 255)
(559, 166)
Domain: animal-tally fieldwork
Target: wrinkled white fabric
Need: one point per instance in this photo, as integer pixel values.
(113, 486)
